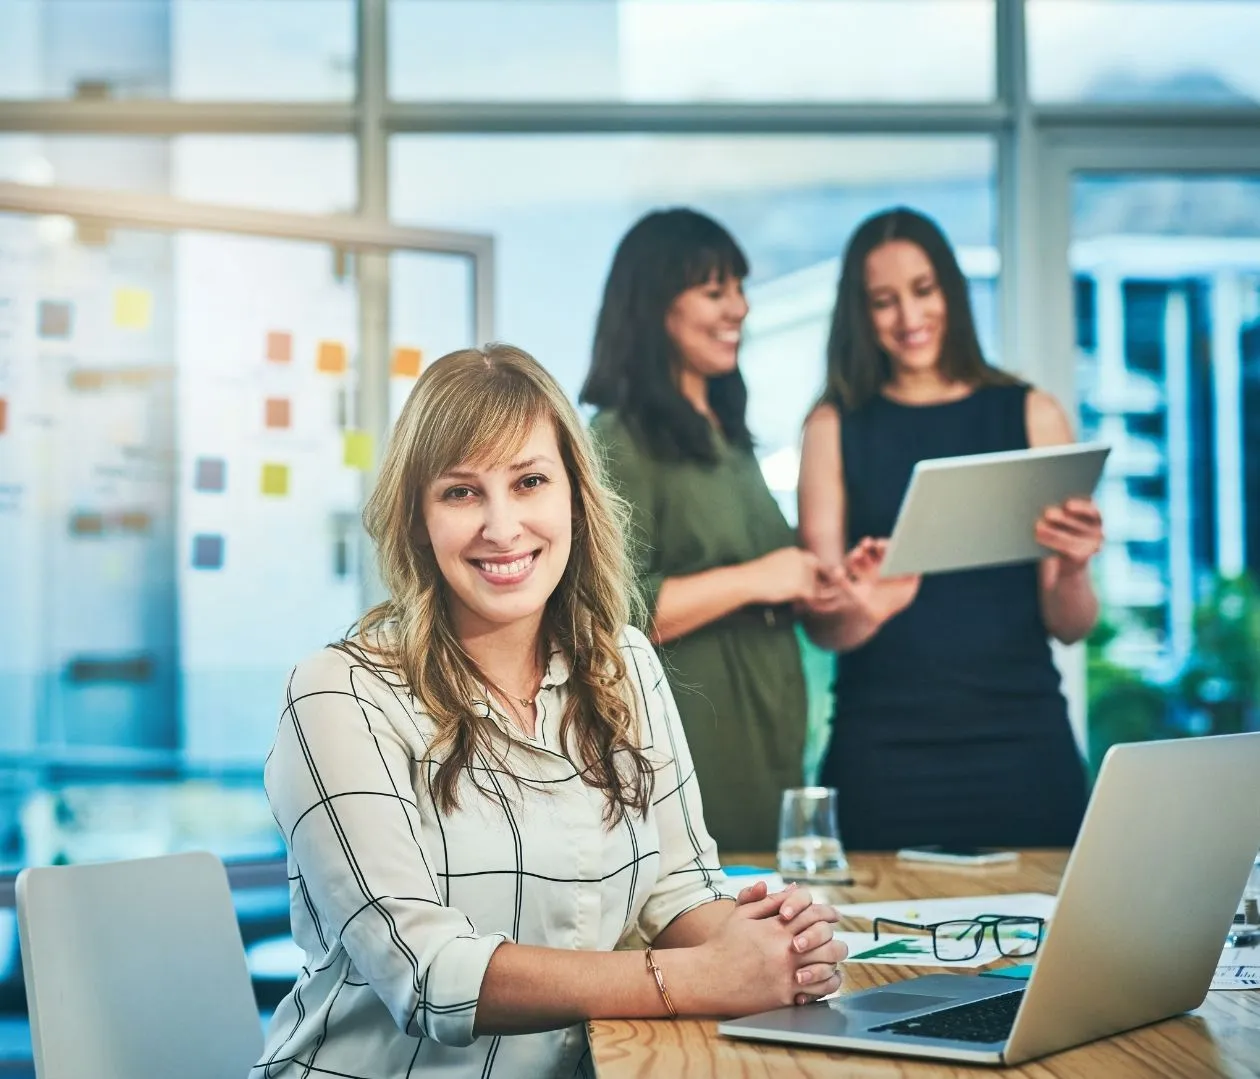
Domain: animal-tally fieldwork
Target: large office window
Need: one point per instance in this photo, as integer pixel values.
(692, 50)
(226, 50)
(1167, 271)
(558, 205)
(1200, 52)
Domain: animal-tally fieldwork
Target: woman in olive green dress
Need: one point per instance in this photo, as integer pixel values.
(720, 570)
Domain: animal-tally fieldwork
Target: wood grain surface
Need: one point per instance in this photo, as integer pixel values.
(1221, 1038)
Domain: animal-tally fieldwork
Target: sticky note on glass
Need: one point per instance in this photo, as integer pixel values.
(406, 362)
(276, 412)
(133, 308)
(330, 357)
(358, 450)
(279, 346)
(207, 552)
(275, 479)
(54, 319)
(210, 474)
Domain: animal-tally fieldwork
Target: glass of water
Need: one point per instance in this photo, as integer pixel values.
(809, 835)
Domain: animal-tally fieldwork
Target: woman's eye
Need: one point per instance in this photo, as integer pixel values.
(531, 482)
(457, 494)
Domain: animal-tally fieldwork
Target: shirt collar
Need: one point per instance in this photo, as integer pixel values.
(557, 672)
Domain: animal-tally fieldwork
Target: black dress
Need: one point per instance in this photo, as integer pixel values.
(950, 726)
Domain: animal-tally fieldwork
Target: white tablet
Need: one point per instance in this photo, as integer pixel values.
(981, 509)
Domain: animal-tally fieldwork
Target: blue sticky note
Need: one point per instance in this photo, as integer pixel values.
(207, 552)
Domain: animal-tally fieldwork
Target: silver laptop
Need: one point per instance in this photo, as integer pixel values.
(1147, 899)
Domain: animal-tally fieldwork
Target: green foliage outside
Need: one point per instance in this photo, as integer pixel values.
(1215, 693)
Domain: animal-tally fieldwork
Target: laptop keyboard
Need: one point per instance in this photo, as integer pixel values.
(988, 1020)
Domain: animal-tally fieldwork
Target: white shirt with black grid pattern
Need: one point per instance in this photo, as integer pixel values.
(399, 907)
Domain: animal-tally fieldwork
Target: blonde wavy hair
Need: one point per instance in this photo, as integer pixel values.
(481, 405)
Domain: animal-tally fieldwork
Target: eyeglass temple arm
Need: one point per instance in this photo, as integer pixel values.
(894, 921)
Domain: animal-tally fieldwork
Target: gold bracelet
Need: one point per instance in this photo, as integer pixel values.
(655, 971)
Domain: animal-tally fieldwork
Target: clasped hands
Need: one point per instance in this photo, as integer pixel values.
(781, 946)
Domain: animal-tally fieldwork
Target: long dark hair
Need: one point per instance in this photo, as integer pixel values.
(856, 366)
(634, 363)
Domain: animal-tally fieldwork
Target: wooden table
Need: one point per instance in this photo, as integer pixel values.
(1220, 1038)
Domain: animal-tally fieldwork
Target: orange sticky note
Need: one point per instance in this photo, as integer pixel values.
(276, 413)
(279, 346)
(4, 415)
(331, 357)
(406, 362)
(358, 450)
(275, 480)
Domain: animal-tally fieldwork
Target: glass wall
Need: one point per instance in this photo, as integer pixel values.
(692, 50)
(206, 50)
(177, 472)
(1167, 285)
(1144, 51)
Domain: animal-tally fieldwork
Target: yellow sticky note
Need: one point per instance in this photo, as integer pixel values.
(275, 479)
(358, 450)
(133, 308)
(406, 362)
(331, 357)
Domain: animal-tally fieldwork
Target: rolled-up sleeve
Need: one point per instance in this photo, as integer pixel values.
(630, 471)
(690, 873)
(340, 784)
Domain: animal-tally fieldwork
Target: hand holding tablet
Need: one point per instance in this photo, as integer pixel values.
(991, 509)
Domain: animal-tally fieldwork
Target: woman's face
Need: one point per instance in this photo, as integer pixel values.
(705, 323)
(501, 535)
(906, 304)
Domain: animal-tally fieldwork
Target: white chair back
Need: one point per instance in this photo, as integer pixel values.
(135, 970)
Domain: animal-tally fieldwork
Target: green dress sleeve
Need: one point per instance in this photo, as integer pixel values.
(632, 475)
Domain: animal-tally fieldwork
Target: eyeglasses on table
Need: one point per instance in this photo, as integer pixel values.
(960, 939)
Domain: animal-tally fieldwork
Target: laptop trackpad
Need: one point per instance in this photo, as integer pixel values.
(893, 1002)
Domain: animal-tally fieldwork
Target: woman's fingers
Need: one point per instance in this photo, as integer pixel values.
(815, 974)
(1078, 547)
(753, 893)
(815, 912)
(1084, 509)
(1070, 527)
(811, 938)
(766, 907)
(798, 902)
(809, 994)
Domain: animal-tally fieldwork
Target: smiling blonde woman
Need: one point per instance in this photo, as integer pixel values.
(486, 786)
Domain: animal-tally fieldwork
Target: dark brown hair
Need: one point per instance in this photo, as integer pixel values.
(856, 366)
(635, 362)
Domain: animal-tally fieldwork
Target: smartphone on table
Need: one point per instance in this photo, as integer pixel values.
(954, 855)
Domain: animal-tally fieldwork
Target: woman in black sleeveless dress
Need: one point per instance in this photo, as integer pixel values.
(950, 726)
